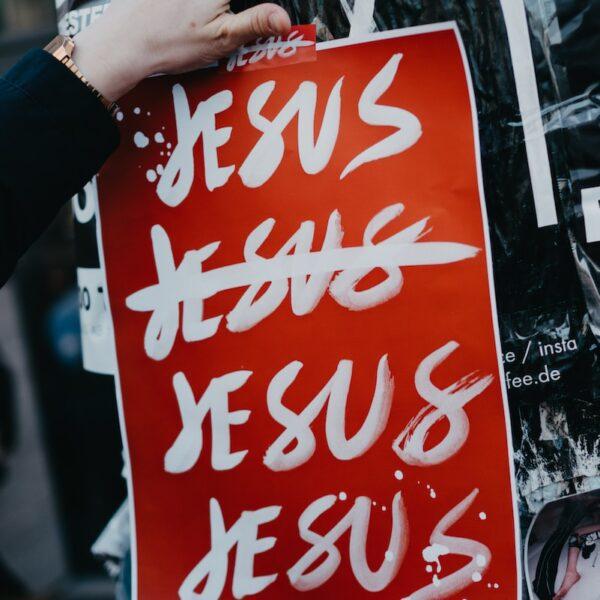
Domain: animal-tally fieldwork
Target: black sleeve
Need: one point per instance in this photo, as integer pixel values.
(54, 137)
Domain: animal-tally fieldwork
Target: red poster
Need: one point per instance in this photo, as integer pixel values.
(300, 286)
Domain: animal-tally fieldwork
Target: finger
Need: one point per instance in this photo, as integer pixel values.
(259, 21)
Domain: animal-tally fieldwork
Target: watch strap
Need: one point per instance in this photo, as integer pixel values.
(61, 47)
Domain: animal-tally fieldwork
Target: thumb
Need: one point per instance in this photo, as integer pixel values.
(259, 21)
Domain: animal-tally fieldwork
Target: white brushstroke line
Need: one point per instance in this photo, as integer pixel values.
(515, 18)
(207, 284)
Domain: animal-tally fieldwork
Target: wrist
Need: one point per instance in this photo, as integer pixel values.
(104, 63)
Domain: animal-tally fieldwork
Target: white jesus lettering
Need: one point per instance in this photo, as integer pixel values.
(357, 521)
(214, 566)
(480, 555)
(267, 154)
(188, 283)
(176, 181)
(447, 403)
(335, 395)
(186, 450)
(408, 125)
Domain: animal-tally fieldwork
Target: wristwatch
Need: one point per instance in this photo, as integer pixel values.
(61, 47)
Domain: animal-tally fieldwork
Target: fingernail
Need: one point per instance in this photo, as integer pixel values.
(274, 23)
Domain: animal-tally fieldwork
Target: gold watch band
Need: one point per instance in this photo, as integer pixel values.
(61, 47)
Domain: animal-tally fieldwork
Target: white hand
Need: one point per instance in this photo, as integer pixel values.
(138, 38)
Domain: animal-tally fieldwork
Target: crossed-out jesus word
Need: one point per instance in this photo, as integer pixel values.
(267, 49)
(311, 274)
(323, 558)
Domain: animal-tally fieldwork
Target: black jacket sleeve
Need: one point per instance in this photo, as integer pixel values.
(54, 137)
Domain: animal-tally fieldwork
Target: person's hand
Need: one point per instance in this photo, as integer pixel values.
(138, 38)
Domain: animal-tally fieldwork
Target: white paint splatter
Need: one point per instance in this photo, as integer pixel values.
(482, 516)
(431, 554)
(432, 493)
(160, 169)
(399, 475)
(476, 577)
(151, 175)
(159, 138)
(342, 496)
(140, 140)
(137, 110)
(120, 116)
